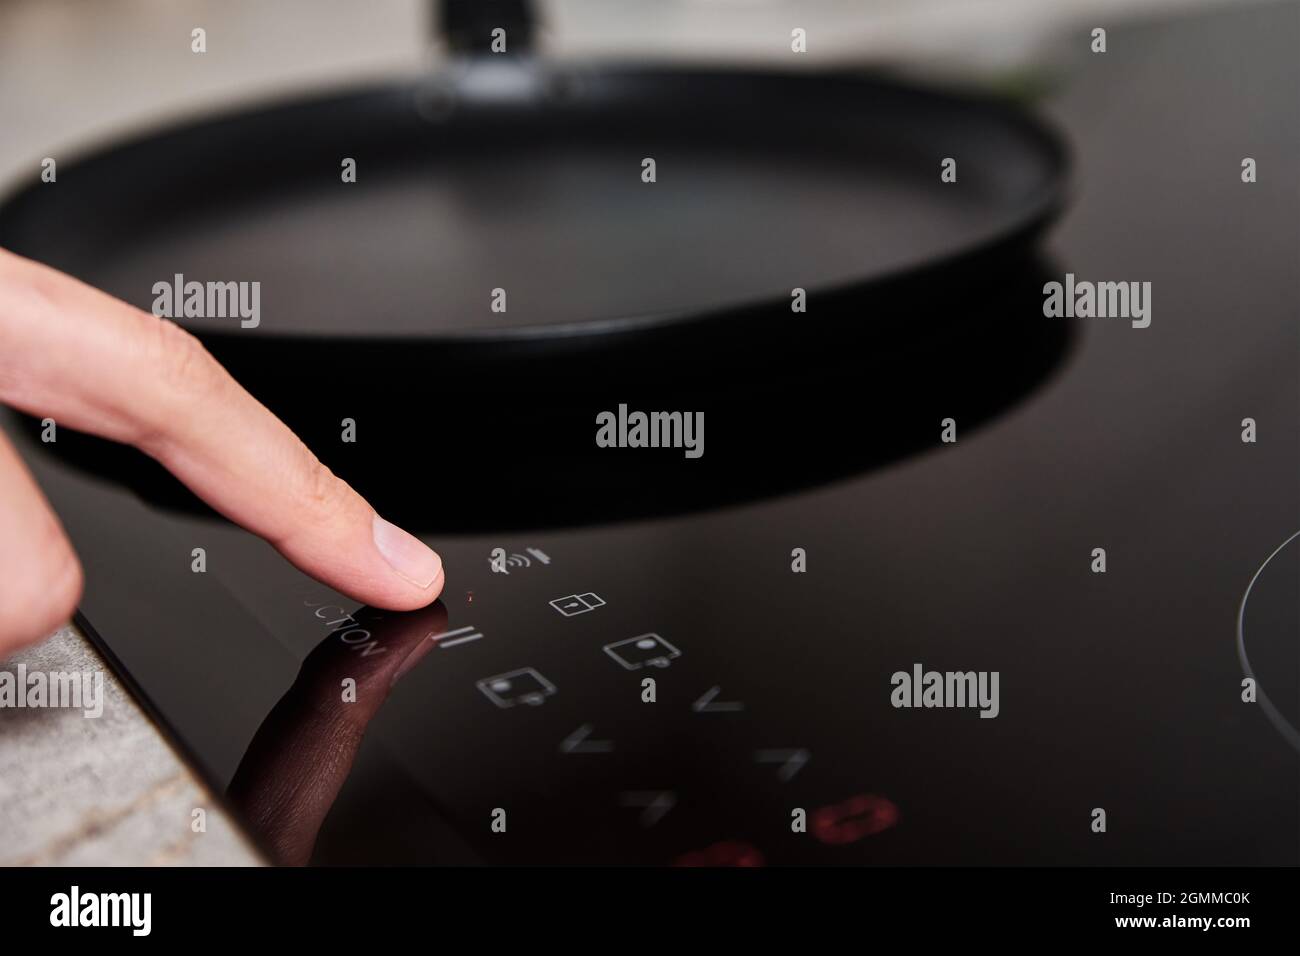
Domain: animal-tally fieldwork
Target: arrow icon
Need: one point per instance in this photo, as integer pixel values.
(792, 761)
(654, 804)
(577, 742)
(706, 705)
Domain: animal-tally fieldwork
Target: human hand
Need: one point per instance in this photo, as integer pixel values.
(93, 363)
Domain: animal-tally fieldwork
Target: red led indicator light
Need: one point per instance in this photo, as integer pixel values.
(857, 817)
(726, 853)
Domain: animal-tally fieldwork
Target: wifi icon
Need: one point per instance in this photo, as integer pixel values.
(501, 563)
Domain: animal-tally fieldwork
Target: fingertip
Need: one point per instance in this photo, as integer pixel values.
(381, 586)
(412, 598)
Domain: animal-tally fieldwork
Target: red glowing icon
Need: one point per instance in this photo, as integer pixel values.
(726, 853)
(857, 817)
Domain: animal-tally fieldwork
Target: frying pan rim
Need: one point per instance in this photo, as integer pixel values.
(1035, 211)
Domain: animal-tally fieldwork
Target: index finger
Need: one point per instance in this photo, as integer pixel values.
(96, 364)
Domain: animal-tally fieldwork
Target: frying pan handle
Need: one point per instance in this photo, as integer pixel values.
(466, 25)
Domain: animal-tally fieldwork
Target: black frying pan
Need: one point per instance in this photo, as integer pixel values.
(504, 173)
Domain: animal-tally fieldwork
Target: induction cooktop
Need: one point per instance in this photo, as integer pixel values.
(642, 657)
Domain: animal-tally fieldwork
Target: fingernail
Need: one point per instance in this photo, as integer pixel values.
(406, 554)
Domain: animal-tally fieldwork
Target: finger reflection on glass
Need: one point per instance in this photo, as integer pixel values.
(295, 765)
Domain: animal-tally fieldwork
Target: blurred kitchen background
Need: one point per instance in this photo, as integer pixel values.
(75, 72)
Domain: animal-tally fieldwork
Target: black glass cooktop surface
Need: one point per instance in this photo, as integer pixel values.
(827, 540)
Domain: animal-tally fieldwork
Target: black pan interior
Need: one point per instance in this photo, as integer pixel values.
(508, 177)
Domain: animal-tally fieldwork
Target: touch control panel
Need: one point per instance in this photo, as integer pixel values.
(606, 725)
